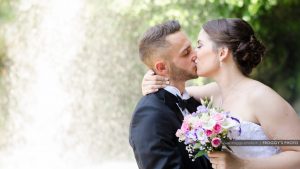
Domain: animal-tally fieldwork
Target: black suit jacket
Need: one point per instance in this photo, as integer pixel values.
(152, 135)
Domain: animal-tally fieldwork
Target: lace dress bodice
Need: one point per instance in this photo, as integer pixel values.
(252, 131)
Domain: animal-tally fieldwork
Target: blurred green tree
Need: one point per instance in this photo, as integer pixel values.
(275, 22)
(6, 14)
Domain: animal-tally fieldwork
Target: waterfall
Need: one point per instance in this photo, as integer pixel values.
(57, 108)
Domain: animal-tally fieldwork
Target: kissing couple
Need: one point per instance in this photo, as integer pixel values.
(227, 51)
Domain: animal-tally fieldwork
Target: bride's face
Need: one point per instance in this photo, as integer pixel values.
(207, 60)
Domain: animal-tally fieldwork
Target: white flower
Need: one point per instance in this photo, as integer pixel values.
(210, 124)
(201, 135)
(204, 117)
(213, 111)
(193, 121)
(229, 123)
(180, 135)
(234, 132)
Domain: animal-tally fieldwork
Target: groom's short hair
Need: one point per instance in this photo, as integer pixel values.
(154, 39)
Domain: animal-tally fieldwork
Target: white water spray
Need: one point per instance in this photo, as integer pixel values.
(42, 45)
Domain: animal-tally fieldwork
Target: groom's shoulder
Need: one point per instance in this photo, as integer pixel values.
(151, 106)
(152, 100)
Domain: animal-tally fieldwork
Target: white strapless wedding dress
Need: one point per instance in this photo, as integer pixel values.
(252, 131)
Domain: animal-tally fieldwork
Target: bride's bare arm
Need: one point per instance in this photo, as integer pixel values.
(151, 83)
(280, 122)
(208, 90)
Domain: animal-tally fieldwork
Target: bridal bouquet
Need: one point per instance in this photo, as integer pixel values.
(207, 129)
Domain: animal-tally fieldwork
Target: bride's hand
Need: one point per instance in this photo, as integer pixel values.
(151, 82)
(225, 160)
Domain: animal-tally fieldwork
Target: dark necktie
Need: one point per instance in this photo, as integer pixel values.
(181, 102)
(190, 104)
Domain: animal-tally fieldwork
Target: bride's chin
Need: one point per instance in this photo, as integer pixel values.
(201, 74)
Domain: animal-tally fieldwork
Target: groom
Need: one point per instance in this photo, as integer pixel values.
(167, 50)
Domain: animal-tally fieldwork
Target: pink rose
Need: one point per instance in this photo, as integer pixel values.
(218, 117)
(185, 127)
(208, 133)
(217, 128)
(216, 142)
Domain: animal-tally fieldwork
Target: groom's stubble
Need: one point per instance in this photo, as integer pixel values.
(177, 74)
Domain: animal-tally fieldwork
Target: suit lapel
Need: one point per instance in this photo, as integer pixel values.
(170, 100)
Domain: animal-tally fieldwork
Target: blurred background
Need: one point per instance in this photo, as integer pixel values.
(70, 73)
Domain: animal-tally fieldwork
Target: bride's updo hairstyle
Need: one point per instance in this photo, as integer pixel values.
(238, 36)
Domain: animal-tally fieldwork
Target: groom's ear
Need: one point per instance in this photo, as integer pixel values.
(160, 67)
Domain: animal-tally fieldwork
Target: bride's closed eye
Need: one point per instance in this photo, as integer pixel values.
(199, 46)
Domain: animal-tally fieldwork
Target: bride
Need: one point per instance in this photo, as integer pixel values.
(227, 51)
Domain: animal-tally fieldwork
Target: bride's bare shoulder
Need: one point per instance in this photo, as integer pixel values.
(271, 110)
(267, 102)
(259, 91)
(202, 91)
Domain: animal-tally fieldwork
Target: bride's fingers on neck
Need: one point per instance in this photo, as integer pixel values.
(150, 72)
(159, 78)
(156, 87)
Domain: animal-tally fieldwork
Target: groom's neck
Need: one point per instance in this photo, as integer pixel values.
(179, 85)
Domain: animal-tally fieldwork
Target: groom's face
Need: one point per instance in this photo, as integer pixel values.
(181, 57)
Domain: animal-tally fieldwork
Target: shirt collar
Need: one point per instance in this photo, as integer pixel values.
(175, 92)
